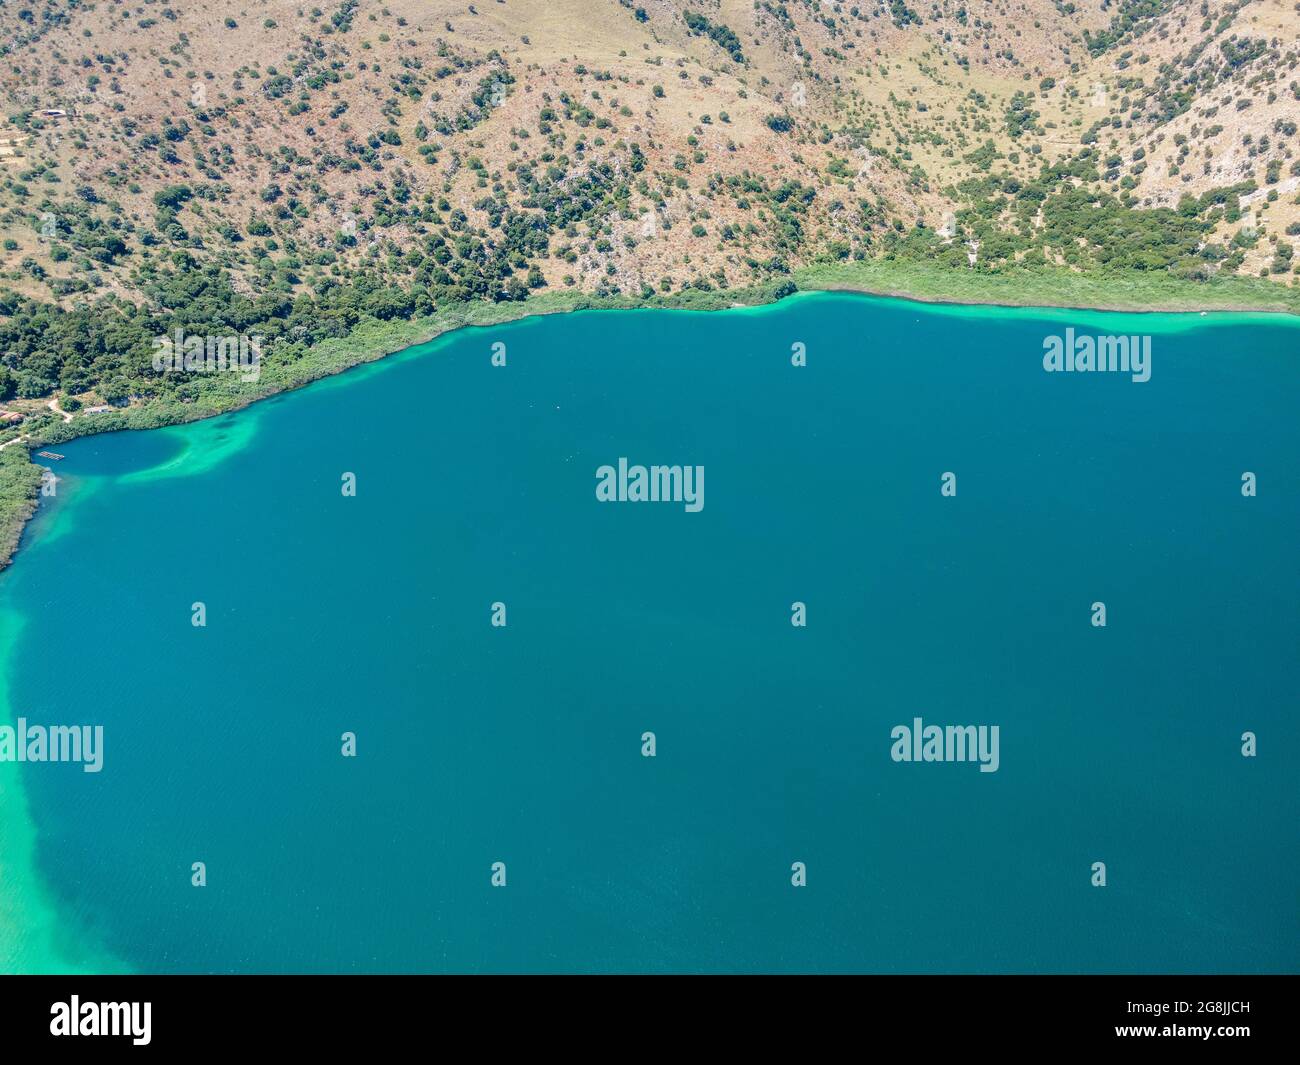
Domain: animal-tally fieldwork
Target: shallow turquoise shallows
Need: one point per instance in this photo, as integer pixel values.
(522, 744)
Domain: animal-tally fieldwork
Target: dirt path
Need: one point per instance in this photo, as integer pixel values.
(52, 405)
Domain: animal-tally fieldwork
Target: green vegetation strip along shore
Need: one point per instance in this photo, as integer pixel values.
(1050, 287)
(372, 339)
(20, 481)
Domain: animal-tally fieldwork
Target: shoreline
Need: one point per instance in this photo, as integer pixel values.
(1117, 308)
(1054, 290)
(374, 341)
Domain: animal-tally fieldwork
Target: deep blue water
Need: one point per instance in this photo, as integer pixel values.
(523, 744)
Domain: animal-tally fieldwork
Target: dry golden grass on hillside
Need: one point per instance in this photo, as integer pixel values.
(885, 104)
(150, 68)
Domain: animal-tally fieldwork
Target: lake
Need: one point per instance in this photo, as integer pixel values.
(939, 512)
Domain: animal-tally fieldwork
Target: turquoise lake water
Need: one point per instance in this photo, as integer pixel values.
(478, 744)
